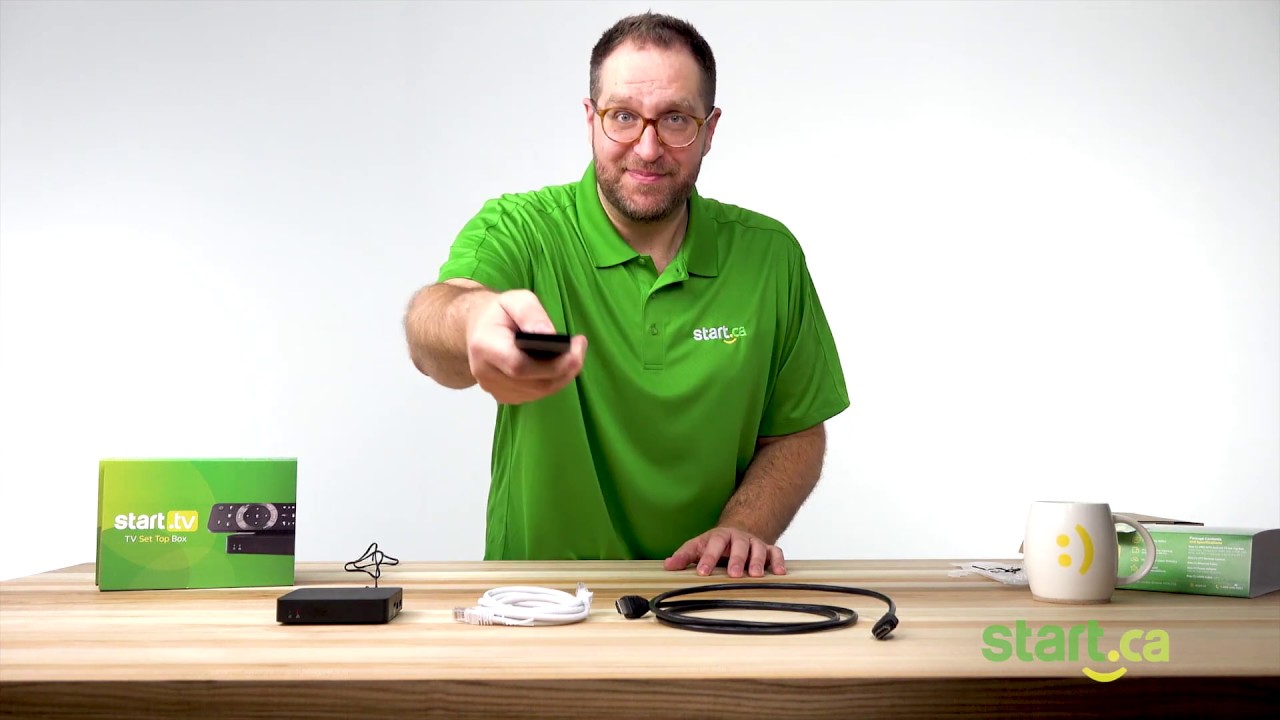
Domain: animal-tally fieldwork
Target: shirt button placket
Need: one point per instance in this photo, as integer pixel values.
(653, 336)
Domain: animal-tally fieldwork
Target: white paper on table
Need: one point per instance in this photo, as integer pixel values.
(1005, 573)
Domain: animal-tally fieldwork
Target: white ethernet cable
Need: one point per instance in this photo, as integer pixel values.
(527, 606)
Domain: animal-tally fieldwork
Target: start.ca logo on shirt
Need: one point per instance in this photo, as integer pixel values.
(724, 333)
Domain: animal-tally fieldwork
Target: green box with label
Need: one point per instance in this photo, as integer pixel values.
(1199, 560)
(196, 523)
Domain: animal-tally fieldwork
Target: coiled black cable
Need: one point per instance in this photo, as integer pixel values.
(675, 612)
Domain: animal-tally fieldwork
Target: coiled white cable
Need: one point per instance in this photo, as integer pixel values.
(525, 605)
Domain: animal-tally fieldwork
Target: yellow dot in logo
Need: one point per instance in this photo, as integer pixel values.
(1064, 560)
(1113, 656)
(1063, 541)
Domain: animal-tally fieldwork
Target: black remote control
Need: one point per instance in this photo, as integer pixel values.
(542, 346)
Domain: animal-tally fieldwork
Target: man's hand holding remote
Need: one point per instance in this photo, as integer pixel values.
(502, 369)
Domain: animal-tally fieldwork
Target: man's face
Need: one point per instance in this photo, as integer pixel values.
(646, 181)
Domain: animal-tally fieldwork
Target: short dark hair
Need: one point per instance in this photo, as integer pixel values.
(664, 31)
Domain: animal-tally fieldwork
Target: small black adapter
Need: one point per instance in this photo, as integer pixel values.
(339, 606)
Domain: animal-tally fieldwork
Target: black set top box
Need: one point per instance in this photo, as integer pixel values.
(339, 606)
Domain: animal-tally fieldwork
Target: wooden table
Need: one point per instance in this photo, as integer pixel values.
(68, 650)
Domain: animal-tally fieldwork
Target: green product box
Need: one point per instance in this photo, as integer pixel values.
(1198, 560)
(196, 523)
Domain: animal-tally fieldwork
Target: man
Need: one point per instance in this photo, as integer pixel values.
(692, 430)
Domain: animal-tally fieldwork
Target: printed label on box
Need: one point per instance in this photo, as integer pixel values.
(198, 523)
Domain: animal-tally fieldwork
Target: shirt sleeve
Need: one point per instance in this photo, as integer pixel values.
(492, 249)
(809, 386)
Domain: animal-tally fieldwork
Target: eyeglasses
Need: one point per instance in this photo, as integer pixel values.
(675, 129)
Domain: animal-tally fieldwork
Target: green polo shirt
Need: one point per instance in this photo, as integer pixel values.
(684, 370)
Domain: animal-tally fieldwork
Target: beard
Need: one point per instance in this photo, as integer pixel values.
(645, 204)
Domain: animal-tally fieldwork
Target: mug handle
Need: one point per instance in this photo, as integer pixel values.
(1149, 563)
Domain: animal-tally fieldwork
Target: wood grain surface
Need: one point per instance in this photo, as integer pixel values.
(69, 650)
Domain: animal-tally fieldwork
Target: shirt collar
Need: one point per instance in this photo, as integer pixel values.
(607, 248)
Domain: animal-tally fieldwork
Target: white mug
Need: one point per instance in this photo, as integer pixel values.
(1070, 553)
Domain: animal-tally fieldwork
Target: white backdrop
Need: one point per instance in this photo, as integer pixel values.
(1047, 236)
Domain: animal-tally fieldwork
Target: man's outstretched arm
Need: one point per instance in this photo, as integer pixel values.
(462, 334)
(435, 327)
